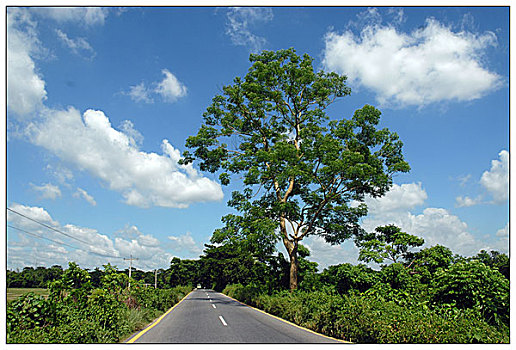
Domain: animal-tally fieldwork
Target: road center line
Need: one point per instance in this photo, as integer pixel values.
(222, 320)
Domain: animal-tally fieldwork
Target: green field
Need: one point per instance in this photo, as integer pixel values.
(13, 293)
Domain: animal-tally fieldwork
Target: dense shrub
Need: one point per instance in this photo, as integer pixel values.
(364, 318)
(246, 294)
(472, 284)
(76, 313)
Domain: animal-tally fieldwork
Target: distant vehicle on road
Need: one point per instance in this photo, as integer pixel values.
(199, 286)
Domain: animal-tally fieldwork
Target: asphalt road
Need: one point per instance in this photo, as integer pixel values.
(205, 316)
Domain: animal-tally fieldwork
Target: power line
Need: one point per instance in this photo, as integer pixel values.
(61, 232)
(49, 227)
(62, 243)
(35, 235)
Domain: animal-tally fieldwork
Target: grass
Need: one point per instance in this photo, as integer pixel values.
(13, 293)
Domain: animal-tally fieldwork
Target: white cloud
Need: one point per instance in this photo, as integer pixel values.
(503, 232)
(47, 191)
(144, 179)
(238, 23)
(139, 93)
(326, 254)
(435, 226)
(84, 15)
(496, 180)
(78, 46)
(185, 243)
(170, 89)
(149, 257)
(36, 213)
(501, 243)
(134, 135)
(25, 87)
(467, 201)
(61, 173)
(428, 65)
(399, 197)
(100, 249)
(82, 193)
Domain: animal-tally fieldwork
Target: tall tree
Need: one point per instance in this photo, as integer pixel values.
(300, 171)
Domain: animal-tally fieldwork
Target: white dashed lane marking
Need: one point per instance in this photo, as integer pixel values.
(222, 320)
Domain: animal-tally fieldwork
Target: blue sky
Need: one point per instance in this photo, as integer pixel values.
(100, 102)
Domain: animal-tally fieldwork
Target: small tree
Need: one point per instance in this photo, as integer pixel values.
(387, 242)
(300, 171)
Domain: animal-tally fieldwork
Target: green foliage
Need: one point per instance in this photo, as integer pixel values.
(387, 242)
(74, 312)
(112, 280)
(473, 285)
(495, 260)
(183, 272)
(246, 294)
(367, 319)
(427, 261)
(29, 311)
(299, 170)
(33, 278)
(347, 277)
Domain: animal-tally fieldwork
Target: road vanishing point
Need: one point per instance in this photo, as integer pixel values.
(205, 316)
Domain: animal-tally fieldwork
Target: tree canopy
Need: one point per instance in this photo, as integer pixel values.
(300, 170)
(387, 242)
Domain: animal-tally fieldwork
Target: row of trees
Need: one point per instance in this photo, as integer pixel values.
(39, 277)
(216, 268)
(234, 262)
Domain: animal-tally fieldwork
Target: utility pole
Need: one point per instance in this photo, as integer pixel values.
(130, 267)
(156, 279)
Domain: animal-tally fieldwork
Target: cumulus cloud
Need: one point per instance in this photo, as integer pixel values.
(428, 65)
(99, 249)
(90, 143)
(78, 46)
(326, 255)
(501, 242)
(82, 193)
(25, 86)
(35, 213)
(185, 243)
(399, 197)
(144, 179)
(239, 21)
(434, 225)
(496, 179)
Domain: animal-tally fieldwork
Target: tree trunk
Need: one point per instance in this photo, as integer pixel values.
(293, 268)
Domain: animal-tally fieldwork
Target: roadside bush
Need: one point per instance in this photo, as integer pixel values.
(246, 294)
(472, 284)
(29, 311)
(76, 313)
(364, 318)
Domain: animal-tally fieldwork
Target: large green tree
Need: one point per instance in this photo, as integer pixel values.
(300, 171)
